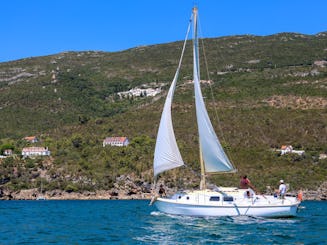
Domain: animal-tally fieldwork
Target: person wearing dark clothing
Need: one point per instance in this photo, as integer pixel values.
(162, 191)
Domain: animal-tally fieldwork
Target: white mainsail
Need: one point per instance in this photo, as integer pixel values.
(214, 157)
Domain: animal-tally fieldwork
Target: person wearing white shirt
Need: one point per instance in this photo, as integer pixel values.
(282, 189)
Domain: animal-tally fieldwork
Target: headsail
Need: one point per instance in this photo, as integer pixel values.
(167, 155)
(214, 157)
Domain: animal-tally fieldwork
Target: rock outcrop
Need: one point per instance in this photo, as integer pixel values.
(319, 194)
(124, 189)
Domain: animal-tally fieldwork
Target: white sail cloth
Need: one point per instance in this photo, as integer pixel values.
(214, 157)
(167, 155)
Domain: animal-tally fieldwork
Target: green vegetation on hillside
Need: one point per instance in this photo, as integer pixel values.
(269, 91)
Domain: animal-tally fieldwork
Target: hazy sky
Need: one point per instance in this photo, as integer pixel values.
(42, 27)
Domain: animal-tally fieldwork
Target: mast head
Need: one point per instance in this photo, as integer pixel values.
(195, 9)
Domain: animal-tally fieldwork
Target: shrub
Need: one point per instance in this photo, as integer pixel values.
(71, 188)
(30, 164)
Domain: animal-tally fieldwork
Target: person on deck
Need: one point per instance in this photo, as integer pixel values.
(162, 191)
(282, 189)
(245, 183)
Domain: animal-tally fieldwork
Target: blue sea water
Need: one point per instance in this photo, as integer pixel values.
(134, 222)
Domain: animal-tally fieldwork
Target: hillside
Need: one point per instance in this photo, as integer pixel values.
(269, 91)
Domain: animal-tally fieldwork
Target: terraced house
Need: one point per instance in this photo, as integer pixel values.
(115, 141)
(35, 151)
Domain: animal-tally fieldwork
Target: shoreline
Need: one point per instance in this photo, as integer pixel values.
(32, 194)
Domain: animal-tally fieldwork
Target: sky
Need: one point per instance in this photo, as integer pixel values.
(43, 27)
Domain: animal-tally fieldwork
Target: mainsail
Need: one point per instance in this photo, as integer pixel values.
(214, 157)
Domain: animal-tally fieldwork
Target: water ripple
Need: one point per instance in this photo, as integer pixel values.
(134, 222)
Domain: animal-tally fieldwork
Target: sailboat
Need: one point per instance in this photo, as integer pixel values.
(205, 202)
(40, 196)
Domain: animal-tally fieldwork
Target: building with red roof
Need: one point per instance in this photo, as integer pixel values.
(35, 151)
(115, 141)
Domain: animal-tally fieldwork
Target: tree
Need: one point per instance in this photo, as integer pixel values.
(5, 147)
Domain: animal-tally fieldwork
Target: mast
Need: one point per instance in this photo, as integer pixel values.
(203, 184)
(196, 74)
(196, 67)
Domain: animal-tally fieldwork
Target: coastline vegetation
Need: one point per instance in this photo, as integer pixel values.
(269, 91)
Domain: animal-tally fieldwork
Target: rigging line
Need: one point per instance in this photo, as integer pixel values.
(185, 41)
(212, 94)
(196, 173)
(220, 54)
(193, 171)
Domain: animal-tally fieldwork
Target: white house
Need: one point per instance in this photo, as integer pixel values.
(7, 152)
(137, 92)
(289, 149)
(35, 151)
(286, 149)
(115, 141)
(322, 156)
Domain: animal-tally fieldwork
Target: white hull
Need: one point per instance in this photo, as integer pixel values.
(212, 203)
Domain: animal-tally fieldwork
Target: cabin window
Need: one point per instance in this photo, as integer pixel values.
(228, 199)
(179, 197)
(187, 198)
(214, 199)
